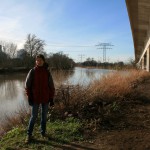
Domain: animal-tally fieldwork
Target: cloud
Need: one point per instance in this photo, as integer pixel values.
(17, 20)
(21, 18)
(9, 27)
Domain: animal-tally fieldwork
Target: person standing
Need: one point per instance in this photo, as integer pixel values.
(40, 91)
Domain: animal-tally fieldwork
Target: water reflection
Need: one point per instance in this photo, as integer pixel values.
(90, 74)
(85, 76)
(62, 76)
(12, 94)
(10, 86)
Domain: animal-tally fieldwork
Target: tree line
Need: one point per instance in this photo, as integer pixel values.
(90, 62)
(11, 57)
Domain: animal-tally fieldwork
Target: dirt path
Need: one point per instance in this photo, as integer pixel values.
(131, 133)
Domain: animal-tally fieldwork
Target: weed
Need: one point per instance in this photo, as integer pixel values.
(115, 106)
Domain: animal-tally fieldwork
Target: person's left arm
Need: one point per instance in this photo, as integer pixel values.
(51, 89)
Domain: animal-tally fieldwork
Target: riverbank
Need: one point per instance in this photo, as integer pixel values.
(26, 69)
(114, 113)
(14, 70)
(127, 67)
(131, 129)
(21, 70)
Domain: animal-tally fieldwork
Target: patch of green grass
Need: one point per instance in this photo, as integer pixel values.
(65, 131)
(59, 132)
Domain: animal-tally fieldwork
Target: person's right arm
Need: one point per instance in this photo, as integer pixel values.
(28, 83)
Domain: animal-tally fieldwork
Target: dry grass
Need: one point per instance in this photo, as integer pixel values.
(114, 87)
(17, 118)
(118, 85)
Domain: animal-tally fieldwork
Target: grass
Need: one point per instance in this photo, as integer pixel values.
(59, 132)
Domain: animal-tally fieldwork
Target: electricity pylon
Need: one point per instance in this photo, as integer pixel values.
(104, 47)
(81, 56)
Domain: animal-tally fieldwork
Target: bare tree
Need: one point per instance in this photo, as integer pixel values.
(9, 48)
(34, 45)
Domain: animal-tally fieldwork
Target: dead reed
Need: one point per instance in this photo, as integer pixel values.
(18, 118)
(112, 88)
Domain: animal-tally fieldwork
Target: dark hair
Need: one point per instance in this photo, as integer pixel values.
(40, 56)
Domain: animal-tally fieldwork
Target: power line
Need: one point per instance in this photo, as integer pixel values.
(87, 51)
(104, 47)
(81, 56)
(53, 45)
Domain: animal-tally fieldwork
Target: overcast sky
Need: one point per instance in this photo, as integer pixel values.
(71, 26)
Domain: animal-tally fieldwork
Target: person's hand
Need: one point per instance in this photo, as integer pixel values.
(30, 101)
(51, 102)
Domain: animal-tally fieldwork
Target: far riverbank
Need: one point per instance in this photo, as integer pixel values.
(14, 70)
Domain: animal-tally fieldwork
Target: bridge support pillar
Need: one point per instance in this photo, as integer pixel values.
(148, 59)
(145, 60)
(142, 63)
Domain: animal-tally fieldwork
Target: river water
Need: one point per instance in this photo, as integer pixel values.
(12, 94)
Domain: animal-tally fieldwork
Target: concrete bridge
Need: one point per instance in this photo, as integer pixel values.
(139, 16)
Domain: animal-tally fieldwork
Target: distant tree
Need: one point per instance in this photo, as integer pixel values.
(3, 57)
(120, 63)
(132, 62)
(60, 61)
(89, 62)
(34, 45)
(9, 48)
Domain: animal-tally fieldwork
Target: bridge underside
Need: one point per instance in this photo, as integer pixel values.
(139, 15)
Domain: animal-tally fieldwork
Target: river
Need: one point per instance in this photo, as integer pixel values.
(12, 95)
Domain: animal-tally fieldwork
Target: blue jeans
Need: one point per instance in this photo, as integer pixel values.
(34, 115)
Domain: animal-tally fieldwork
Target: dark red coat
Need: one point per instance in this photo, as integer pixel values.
(39, 85)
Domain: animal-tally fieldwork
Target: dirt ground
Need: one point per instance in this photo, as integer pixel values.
(132, 132)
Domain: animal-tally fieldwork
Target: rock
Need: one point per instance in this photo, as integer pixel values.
(70, 115)
(66, 114)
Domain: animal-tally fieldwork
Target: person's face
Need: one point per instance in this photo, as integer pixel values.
(39, 62)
